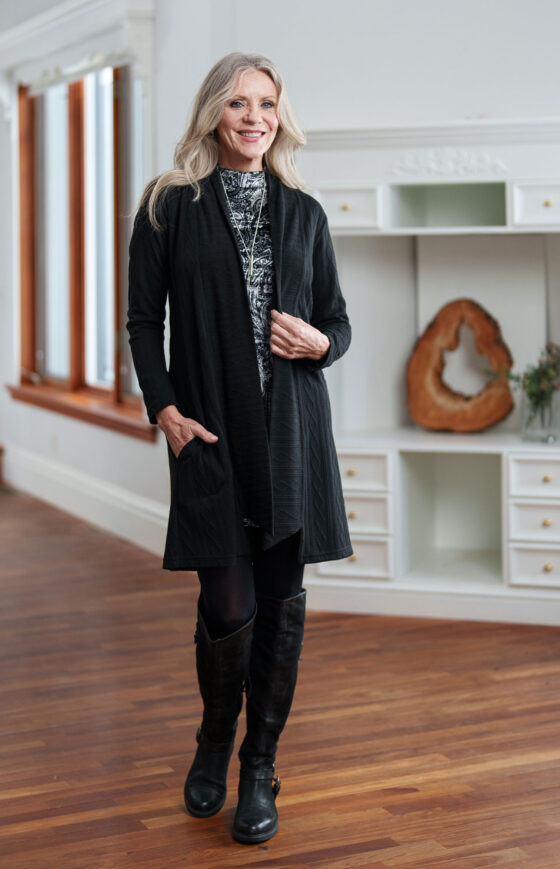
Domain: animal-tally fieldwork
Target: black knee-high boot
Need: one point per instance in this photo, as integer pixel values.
(277, 643)
(222, 668)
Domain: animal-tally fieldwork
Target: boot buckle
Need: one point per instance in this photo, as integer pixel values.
(276, 785)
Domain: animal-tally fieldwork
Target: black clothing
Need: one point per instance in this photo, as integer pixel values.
(247, 197)
(291, 481)
(222, 668)
(228, 594)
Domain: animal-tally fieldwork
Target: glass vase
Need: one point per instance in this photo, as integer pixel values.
(541, 422)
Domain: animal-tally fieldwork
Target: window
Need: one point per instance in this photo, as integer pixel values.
(79, 181)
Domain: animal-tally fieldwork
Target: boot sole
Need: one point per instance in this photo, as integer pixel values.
(254, 840)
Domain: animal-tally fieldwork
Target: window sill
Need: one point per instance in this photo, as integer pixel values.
(89, 406)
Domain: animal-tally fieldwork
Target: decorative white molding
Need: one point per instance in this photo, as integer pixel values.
(484, 132)
(449, 161)
(89, 63)
(133, 517)
(69, 23)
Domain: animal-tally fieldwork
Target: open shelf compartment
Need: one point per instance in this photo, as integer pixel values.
(451, 520)
(445, 205)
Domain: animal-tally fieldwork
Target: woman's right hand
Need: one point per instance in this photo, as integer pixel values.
(179, 429)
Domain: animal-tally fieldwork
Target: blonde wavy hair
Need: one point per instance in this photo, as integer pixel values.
(196, 153)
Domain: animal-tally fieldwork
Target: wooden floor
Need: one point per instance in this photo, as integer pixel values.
(412, 743)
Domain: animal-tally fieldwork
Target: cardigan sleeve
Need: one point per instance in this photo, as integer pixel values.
(148, 282)
(329, 307)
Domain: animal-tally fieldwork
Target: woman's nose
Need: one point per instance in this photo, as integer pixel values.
(252, 113)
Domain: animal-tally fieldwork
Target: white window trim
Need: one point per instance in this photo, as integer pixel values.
(71, 38)
(74, 37)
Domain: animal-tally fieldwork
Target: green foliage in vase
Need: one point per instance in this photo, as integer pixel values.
(539, 382)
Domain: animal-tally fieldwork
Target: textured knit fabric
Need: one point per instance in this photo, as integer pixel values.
(247, 197)
(285, 477)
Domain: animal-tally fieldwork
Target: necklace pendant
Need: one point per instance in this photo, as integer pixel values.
(251, 265)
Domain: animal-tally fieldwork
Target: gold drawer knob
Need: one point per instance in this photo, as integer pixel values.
(548, 203)
(351, 472)
(547, 478)
(352, 514)
(353, 557)
(345, 207)
(547, 522)
(548, 567)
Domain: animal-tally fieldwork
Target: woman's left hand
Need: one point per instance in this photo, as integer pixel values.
(293, 338)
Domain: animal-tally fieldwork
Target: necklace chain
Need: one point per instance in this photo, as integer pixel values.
(249, 253)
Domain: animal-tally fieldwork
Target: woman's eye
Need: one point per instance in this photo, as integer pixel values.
(236, 103)
(268, 105)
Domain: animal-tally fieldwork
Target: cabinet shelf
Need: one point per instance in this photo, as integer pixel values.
(457, 569)
(415, 439)
(445, 205)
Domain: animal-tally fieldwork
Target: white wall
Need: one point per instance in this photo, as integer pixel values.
(359, 63)
(351, 64)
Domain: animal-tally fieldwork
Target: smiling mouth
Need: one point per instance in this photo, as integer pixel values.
(251, 136)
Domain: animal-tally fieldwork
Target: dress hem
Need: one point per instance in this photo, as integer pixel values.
(227, 561)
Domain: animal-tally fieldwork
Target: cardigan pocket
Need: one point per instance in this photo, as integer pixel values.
(200, 473)
(188, 449)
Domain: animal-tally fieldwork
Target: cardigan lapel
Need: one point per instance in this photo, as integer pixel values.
(276, 209)
(218, 188)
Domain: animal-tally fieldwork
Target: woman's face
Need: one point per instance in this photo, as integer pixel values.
(249, 122)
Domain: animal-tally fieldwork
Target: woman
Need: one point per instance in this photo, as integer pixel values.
(256, 312)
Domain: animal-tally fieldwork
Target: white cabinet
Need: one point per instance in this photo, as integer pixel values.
(372, 558)
(536, 204)
(534, 520)
(537, 475)
(367, 471)
(443, 525)
(351, 209)
(534, 565)
(464, 527)
(367, 483)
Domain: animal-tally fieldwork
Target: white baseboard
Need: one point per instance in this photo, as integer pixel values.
(518, 606)
(133, 517)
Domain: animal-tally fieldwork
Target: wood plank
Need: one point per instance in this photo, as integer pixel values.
(417, 743)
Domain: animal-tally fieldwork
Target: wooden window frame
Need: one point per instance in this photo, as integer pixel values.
(107, 407)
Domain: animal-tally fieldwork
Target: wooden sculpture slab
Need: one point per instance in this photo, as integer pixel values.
(434, 405)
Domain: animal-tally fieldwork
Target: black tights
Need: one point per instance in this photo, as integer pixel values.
(228, 594)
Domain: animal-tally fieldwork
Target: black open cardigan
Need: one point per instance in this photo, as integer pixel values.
(284, 480)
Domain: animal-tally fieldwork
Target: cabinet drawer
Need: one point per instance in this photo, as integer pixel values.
(368, 514)
(536, 520)
(360, 471)
(351, 208)
(534, 565)
(372, 559)
(536, 204)
(534, 476)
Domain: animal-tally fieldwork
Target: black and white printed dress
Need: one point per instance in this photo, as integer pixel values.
(245, 191)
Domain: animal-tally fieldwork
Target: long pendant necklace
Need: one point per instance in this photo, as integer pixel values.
(249, 253)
